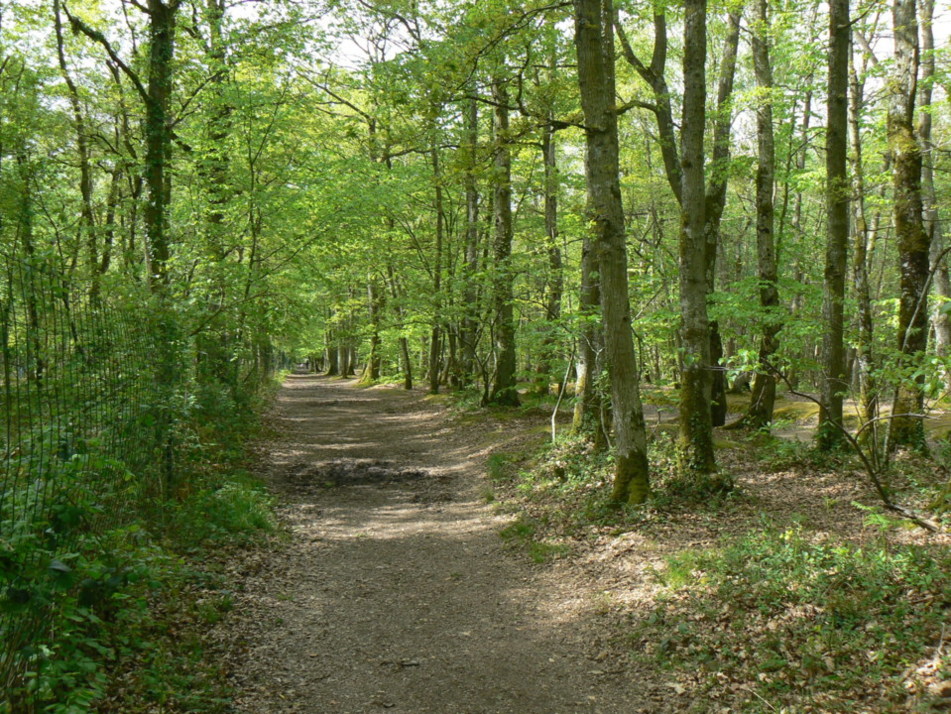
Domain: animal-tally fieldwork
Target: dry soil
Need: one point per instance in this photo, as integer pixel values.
(395, 592)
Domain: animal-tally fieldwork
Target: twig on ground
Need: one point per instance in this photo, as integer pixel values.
(870, 461)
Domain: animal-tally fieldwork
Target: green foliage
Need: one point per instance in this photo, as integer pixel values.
(501, 467)
(798, 616)
(231, 509)
(672, 488)
(522, 532)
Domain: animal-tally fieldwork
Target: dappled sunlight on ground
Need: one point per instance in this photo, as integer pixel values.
(395, 590)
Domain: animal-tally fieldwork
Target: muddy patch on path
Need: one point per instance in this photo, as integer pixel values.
(351, 472)
(310, 479)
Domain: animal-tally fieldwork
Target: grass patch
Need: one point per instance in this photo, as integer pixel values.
(788, 619)
(522, 532)
(501, 467)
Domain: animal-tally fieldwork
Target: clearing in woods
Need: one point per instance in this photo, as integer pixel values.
(395, 591)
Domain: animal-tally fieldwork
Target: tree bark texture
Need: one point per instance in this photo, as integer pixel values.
(913, 245)
(503, 380)
(934, 227)
(835, 381)
(864, 353)
(594, 42)
(715, 202)
(696, 427)
(760, 413)
(586, 420)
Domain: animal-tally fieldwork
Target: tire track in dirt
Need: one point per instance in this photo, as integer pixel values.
(395, 592)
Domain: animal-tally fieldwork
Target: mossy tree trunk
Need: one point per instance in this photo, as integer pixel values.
(594, 42)
(503, 380)
(913, 247)
(696, 427)
(586, 421)
(934, 226)
(864, 352)
(715, 202)
(835, 379)
(763, 398)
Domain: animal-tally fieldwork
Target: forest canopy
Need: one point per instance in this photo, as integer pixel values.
(504, 197)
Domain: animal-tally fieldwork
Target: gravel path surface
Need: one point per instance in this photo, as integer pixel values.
(395, 592)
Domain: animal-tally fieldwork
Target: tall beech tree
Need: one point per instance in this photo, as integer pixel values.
(716, 189)
(906, 428)
(696, 426)
(760, 412)
(861, 239)
(503, 379)
(934, 226)
(594, 43)
(835, 380)
(423, 204)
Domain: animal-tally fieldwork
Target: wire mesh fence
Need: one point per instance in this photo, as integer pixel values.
(81, 434)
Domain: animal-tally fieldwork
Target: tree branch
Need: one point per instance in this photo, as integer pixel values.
(78, 26)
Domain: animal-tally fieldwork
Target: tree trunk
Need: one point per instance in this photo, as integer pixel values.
(343, 359)
(332, 351)
(435, 343)
(715, 202)
(835, 380)
(913, 247)
(554, 283)
(503, 380)
(594, 42)
(760, 413)
(87, 219)
(586, 420)
(934, 227)
(696, 428)
(468, 335)
(375, 303)
(406, 362)
(864, 355)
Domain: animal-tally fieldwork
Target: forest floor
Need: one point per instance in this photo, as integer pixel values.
(394, 591)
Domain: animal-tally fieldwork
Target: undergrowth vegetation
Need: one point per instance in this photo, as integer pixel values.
(757, 606)
(797, 617)
(123, 607)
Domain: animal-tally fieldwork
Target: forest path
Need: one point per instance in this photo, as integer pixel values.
(395, 591)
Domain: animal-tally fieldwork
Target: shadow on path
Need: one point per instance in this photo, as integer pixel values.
(394, 592)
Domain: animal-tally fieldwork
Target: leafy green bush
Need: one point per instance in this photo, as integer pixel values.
(236, 509)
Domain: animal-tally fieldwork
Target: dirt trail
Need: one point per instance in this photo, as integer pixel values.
(395, 592)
